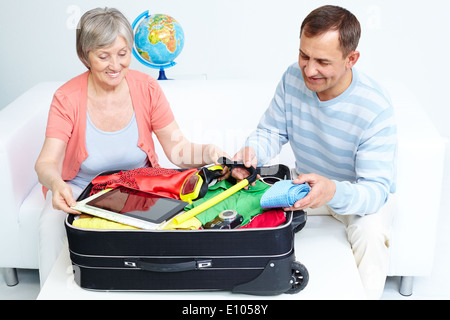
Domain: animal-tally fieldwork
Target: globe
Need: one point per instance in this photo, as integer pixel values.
(158, 40)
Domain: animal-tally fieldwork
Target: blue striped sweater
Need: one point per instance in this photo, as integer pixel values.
(351, 139)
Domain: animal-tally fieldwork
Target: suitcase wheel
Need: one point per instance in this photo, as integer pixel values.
(300, 277)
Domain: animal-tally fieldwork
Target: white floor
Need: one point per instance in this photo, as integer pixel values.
(435, 287)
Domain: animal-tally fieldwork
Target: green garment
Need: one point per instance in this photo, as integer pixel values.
(245, 202)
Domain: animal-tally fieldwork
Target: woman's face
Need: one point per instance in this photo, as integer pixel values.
(109, 65)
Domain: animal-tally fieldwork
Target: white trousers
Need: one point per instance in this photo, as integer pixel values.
(52, 234)
(369, 239)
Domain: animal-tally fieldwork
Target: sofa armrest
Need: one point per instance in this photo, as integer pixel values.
(421, 153)
(22, 129)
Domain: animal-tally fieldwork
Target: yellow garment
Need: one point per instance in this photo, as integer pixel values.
(90, 222)
(190, 224)
(86, 221)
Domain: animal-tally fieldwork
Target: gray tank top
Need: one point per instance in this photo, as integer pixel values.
(116, 150)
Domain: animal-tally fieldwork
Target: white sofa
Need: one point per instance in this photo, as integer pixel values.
(223, 112)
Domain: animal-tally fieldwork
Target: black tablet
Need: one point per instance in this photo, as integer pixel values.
(140, 205)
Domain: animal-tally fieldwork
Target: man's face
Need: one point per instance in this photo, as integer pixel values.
(324, 69)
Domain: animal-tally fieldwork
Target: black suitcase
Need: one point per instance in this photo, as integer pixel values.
(251, 261)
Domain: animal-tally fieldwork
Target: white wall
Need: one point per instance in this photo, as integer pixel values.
(402, 39)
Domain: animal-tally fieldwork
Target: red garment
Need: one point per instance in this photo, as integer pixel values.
(267, 219)
(164, 182)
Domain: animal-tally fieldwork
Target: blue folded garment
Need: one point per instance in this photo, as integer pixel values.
(284, 194)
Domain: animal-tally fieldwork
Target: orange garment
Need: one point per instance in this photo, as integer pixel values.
(68, 111)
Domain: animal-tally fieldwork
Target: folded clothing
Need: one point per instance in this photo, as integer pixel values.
(190, 224)
(86, 221)
(268, 219)
(284, 194)
(245, 201)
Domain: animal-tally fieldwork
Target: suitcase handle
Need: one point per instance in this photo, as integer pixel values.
(167, 267)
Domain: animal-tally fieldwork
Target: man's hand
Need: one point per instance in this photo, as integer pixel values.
(248, 156)
(322, 191)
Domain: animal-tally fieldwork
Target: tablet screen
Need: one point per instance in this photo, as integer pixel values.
(141, 205)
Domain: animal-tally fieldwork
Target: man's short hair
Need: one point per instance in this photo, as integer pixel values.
(328, 18)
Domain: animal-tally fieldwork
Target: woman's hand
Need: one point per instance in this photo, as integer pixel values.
(212, 153)
(63, 197)
(48, 168)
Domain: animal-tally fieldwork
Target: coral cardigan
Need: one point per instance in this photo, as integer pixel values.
(67, 117)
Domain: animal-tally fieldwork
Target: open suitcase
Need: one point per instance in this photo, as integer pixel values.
(252, 261)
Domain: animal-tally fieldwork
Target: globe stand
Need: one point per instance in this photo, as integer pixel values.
(162, 74)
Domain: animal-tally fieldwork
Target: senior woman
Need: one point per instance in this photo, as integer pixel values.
(101, 120)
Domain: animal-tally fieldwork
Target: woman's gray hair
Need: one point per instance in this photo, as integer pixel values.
(99, 28)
